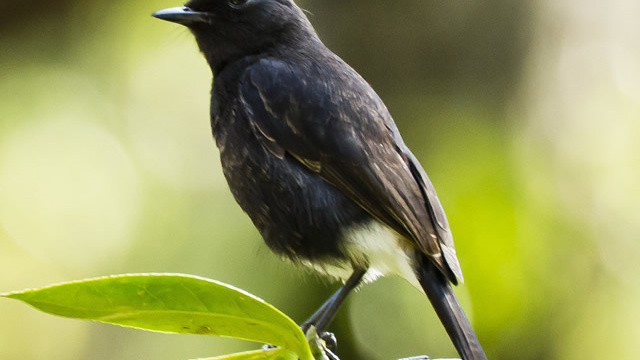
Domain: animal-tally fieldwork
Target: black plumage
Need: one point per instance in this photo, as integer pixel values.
(314, 158)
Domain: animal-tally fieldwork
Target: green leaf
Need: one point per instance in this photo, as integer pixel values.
(267, 354)
(171, 303)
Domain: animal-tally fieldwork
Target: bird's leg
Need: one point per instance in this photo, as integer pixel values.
(325, 314)
(322, 317)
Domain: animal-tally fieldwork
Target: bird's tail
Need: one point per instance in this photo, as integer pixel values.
(444, 301)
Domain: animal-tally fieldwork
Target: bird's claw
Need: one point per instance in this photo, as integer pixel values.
(330, 341)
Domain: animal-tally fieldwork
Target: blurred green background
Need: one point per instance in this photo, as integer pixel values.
(525, 115)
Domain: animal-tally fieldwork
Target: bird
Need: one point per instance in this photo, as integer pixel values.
(312, 155)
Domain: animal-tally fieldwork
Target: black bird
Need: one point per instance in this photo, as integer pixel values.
(314, 158)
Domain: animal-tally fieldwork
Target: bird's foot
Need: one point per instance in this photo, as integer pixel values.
(322, 344)
(329, 339)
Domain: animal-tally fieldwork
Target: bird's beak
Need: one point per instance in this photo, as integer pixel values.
(181, 15)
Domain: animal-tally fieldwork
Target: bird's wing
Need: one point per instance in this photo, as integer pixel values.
(341, 130)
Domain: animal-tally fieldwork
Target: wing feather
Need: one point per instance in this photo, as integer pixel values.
(338, 127)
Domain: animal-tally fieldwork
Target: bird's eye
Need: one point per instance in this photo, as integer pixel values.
(238, 3)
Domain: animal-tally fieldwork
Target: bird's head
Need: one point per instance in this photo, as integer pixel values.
(226, 30)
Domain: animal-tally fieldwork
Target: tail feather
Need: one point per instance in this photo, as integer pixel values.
(446, 305)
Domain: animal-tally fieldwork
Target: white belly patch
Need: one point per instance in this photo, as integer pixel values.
(377, 246)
